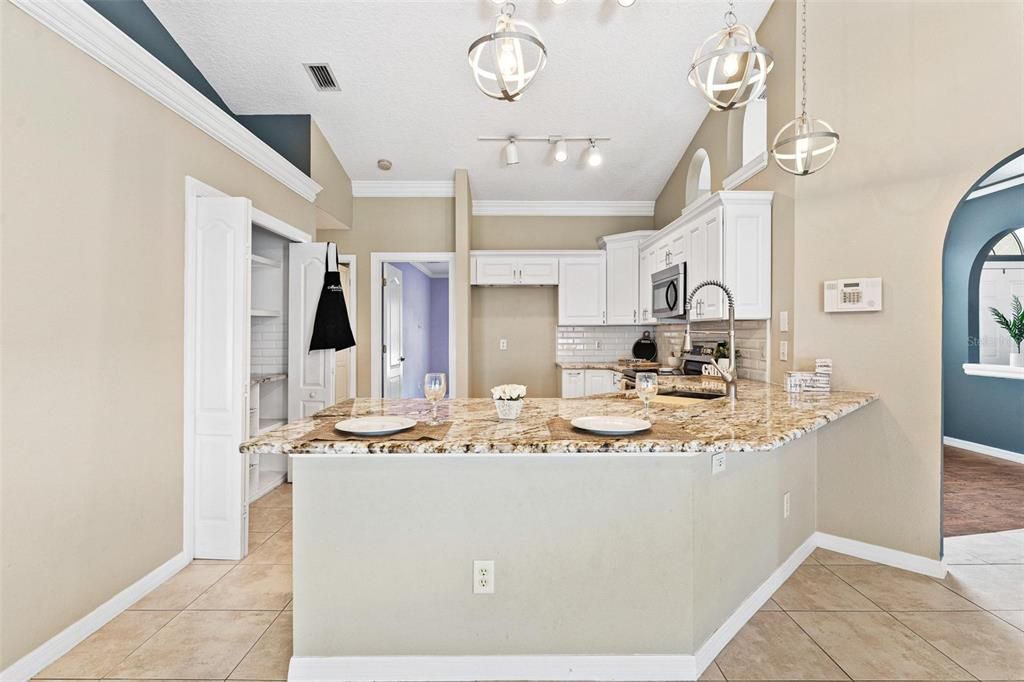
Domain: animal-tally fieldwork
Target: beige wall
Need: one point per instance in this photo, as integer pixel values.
(911, 146)
(720, 136)
(881, 208)
(388, 224)
(92, 299)
(335, 199)
(527, 316)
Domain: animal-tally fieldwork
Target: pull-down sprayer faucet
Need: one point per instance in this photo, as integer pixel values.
(729, 377)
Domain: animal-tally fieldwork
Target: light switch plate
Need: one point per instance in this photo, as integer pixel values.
(784, 321)
(784, 350)
(503, 344)
(717, 463)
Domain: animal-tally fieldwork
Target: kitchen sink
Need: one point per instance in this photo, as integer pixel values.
(692, 394)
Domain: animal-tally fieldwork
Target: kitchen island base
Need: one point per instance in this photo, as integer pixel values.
(607, 566)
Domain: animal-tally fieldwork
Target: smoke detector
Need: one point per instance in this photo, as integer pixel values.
(384, 164)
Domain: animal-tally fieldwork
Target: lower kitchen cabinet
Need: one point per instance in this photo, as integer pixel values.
(578, 383)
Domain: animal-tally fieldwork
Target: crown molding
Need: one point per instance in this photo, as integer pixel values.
(564, 208)
(87, 30)
(403, 188)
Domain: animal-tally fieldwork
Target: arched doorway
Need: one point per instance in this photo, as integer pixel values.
(983, 396)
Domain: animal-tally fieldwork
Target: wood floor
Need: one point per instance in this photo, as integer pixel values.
(981, 494)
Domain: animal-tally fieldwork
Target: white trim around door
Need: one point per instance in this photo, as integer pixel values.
(377, 260)
(86, 29)
(349, 260)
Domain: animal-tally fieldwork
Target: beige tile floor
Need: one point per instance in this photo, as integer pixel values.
(836, 618)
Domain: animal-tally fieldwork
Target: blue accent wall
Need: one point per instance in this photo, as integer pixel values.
(287, 134)
(983, 410)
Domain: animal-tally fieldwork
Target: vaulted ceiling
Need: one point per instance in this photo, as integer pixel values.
(407, 93)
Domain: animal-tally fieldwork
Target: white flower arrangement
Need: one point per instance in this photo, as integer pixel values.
(509, 392)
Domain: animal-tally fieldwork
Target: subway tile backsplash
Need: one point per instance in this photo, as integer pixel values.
(602, 344)
(597, 344)
(269, 345)
(751, 343)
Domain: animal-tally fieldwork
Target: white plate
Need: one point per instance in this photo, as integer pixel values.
(375, 426)
(610, 425)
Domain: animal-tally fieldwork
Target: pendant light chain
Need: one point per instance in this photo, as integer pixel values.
(730, 15)
(803, 59)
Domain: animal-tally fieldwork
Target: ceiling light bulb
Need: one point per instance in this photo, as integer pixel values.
(507, 61)
(558, 2)
(594, 158)
(511, 153)
(561, 151)
(731, 65)
(627, 3)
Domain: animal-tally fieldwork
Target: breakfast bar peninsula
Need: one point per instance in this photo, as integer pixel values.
(633, 558)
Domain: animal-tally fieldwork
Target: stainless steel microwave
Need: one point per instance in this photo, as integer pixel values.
(668, 292)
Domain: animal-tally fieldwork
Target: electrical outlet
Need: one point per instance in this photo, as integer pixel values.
(784, 350)
(483, 577)
(717, 463)
(597, 344)
(503, 344)
(784, 321)
(785, 506)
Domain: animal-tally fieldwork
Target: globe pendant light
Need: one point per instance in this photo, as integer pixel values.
(805, 144)
(729, 69)
(506, 61)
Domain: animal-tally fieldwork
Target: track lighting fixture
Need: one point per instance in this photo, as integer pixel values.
(511, 152)
(592, 155)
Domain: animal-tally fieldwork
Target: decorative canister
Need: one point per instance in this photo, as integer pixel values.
(508, 409)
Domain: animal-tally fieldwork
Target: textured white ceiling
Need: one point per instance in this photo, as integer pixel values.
(407, 93)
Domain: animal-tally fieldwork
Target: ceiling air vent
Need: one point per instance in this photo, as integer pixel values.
(323, 77)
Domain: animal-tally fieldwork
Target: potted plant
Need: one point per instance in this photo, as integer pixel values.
(722, 353)
(1014, 326)
(508, 400)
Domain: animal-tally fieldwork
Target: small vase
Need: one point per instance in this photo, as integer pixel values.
(508, 409)
(1016, 359)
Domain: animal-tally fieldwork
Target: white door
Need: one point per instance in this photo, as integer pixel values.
(581, 290)
(623, 279)
(310, 374)
(219, 254)
(343, 358)
(391, 333)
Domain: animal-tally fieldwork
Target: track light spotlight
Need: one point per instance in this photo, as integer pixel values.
(594, 157)
(561, 151)
(511, 152)
(627, 3)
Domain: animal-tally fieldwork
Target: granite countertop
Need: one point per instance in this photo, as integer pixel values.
(763, 417)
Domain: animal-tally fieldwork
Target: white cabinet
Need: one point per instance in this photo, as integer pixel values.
(578, 383)
(624, 282)
(599, 381)
(582, 294)
(728, 237)
(646, 270)
(573, 383)
(498, 268)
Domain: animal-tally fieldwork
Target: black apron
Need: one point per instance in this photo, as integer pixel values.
(331, 327)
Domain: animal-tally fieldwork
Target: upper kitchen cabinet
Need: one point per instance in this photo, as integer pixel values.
(726, 236)
(582, 294)
(512, 268)
(624, 304)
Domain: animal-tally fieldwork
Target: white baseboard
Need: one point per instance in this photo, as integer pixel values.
(31, 663)
(984, 449)
(882, 555)
(468, 668)
(708, 651)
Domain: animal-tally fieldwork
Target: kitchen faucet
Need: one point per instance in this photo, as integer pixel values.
(729, 377)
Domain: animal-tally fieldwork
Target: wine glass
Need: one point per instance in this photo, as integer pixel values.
(646, 388)
(435, 385)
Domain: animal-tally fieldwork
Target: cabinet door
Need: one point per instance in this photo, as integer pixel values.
(598, 381)
(573, 383)
(696, 268)
(538, 270)
(581, 290)
(747, 258)
(623, 280)
(495, 270)
(714, 306)
(644, 302)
